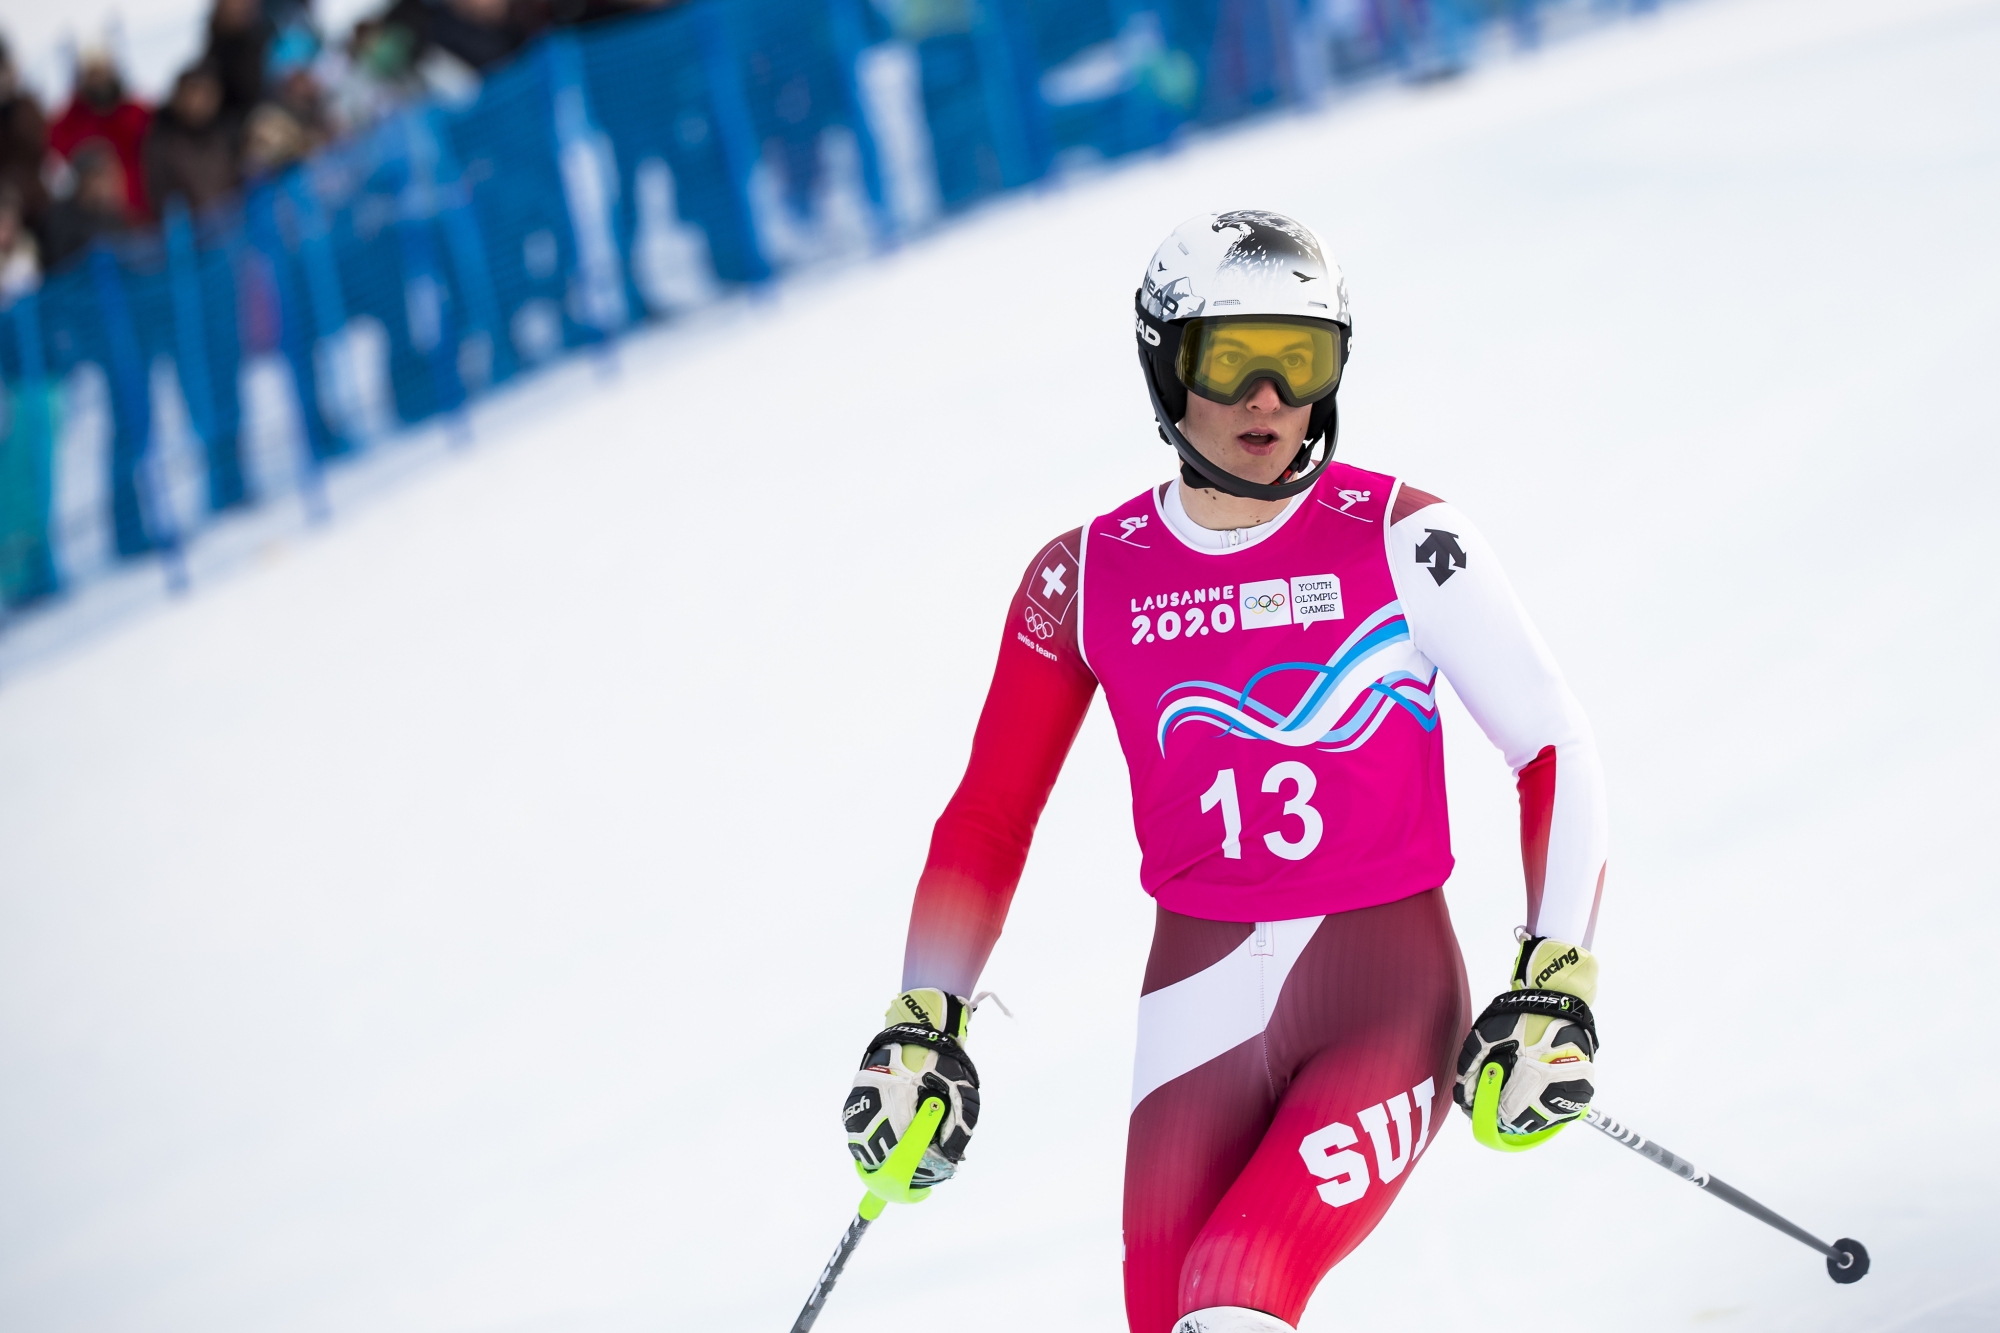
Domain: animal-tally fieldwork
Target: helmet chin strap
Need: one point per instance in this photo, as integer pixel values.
(1199, 472)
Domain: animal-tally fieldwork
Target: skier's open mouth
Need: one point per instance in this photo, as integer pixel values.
(1257, 441)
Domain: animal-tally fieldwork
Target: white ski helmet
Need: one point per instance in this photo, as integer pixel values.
(1228, 266)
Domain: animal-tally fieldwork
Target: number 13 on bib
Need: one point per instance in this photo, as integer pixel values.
(1284, 743)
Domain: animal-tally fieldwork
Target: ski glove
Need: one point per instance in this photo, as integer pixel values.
(1540, 1037)
(918, 1056)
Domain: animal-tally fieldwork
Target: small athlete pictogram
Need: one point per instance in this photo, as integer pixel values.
(1127, 527)
(1349, 499)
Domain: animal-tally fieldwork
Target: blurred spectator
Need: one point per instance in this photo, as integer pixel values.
(291, 82)
(100, 205)
(378, 74)
(480, 33)
(239, 39)
(100, 112)
(191, 149)
(24, 144)
(272, 141)
(565, 13)
(20, 262)
(283, 14)
(293, 121)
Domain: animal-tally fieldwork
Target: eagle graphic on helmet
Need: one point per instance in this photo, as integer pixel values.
(1268, 242)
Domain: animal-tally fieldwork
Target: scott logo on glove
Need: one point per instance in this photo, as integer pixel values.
(1329, 1153)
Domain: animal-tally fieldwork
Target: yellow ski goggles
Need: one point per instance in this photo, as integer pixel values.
(1221, 358)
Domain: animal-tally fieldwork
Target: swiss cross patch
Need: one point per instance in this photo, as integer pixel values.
(1052, 587)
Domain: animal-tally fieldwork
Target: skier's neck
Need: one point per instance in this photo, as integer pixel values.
(1215, 539)
(1215, 510)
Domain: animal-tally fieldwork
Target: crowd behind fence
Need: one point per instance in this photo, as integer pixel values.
(606, 176)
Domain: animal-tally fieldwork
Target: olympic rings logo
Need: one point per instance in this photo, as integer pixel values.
(1039, 623)
(1265, 601)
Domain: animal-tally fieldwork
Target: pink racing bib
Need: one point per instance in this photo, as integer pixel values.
(1284, 744)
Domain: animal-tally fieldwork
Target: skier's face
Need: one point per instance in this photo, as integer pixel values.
(1255, 437)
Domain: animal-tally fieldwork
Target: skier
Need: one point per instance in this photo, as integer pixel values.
(1268, 629)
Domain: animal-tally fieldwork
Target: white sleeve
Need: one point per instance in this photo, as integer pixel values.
(1464, 616)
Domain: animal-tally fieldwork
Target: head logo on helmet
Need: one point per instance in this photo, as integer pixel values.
(1172, 301)
(1250, 262)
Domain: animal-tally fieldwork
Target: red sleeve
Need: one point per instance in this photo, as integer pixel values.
(65, 132)
(1041, 690)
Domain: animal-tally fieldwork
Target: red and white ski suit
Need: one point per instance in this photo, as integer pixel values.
(1304, 999)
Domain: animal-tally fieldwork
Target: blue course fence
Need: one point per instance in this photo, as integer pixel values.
(624, 173)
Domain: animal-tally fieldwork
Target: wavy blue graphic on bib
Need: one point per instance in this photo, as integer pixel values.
(1357, 689)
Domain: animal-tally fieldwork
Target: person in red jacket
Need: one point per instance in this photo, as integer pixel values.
(101, 110)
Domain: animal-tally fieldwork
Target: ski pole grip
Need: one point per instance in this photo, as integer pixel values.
(890, 1183)
(1486, 1116)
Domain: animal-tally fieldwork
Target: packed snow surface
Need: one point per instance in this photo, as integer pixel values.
(466, 916)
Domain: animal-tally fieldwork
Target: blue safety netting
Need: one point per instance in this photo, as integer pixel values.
(623, 173)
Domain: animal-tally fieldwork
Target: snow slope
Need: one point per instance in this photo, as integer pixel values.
(465, 918)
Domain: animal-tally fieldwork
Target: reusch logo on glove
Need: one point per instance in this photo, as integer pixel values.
(1561, 961)
(866, 1105)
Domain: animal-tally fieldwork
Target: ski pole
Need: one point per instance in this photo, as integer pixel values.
(1846, 1260)
(888, 1184)
(871, 1208)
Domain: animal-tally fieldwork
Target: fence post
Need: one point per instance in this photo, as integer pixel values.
(324, 298)
(1525, 17)
(316, 439)
(191, 360)
(31, 429)
(1311, 55)
(142, 516)
(1004, 93)
(428, 315)
(1392, 28)
(464, 246)
(589, 174)
(1146, 119)
(849, 41)
(1287, 84)
(735, 131)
